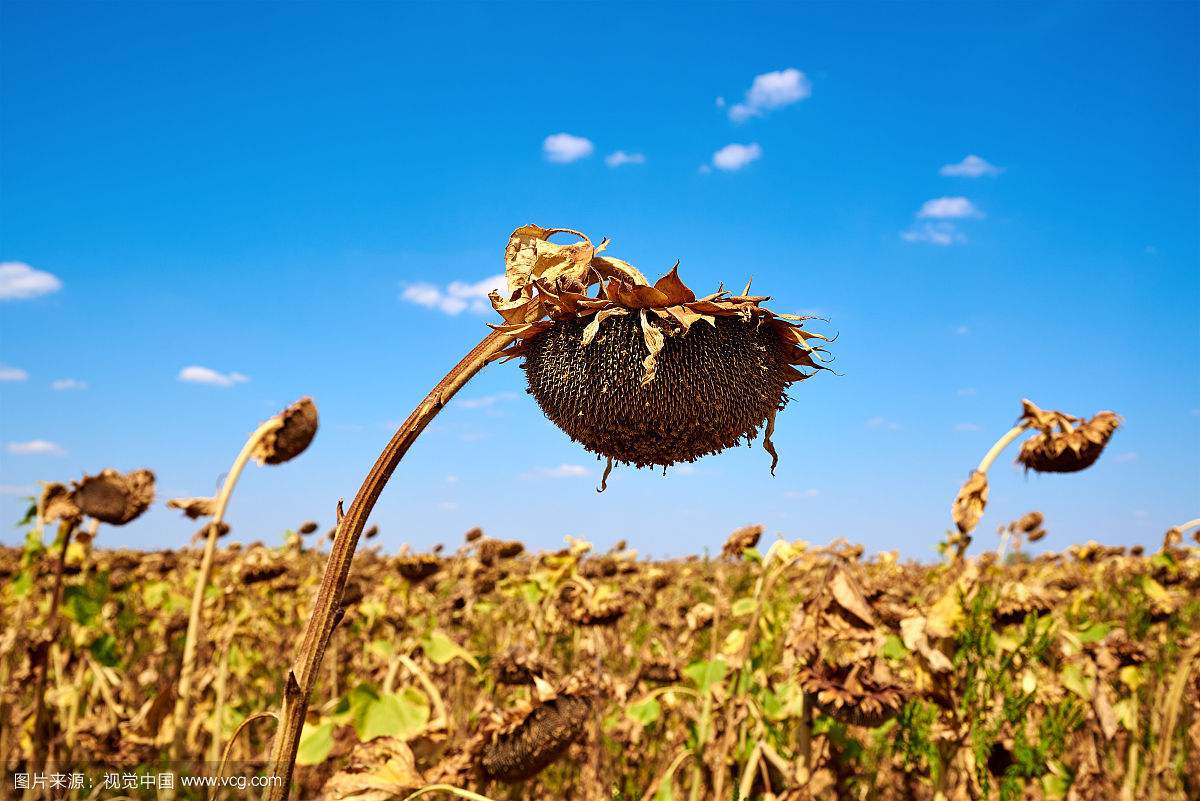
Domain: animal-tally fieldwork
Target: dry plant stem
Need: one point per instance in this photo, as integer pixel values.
(1166, 733)
(327, 605)
(1000, 445)
(41, 741)
(188, 666)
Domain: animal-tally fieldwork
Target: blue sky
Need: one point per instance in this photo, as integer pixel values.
(307, 199)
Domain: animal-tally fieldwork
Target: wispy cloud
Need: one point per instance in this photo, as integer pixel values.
(562, 471)
(808, 493)
(206, 375)
(962, 330)
(485, 401)
(62, 384)
(19, 281)
(12, 373)
(965, 427)
(562, 148)
(940, 233)
(882, 423)
(771, 90)
(966, 392)
(942, 208)
(1128, 456)
(969, 167)
(35, 447)
(455, 297)
(620, 158)
(735, 156)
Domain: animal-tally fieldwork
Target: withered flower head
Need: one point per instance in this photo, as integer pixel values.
(740, 540)
(307, 527)
(57, 503)
(639, 373)
(845, 695)
(193, 508)
(416, 569)
(969, 505)
(1063, 443)
(289, 440)
(538, 740)
(113, 498)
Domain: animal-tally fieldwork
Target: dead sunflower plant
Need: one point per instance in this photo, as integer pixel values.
(1061, 443)
(639, 373)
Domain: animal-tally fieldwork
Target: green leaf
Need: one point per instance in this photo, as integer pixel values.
(441, 649)
(752, 555)
(79, 605)
(104, 649)
(645, 712)
(1074, 679)
(742, 606)
(23, 583)
(315, 743)
(402, 715)
(665, 791)
(893, 648)
(705, 674)
(1094, 633)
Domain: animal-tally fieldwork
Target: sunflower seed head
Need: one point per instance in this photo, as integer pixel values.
(1064, 443)
(290, 439)
(538, 740)
(115, 498)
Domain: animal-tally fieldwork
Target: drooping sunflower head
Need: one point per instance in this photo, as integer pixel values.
(296, 432)
(1064, 443)
(113, 497)
(646, 374)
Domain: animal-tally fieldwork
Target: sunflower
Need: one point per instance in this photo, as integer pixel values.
(640, 373)
(1064, 443)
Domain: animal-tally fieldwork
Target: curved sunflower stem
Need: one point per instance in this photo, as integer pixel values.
(326, 608)
(1001, 444)
(187, 667)
(446, 788)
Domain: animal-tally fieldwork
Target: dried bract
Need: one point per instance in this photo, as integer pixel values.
(1063, 443)
(852, 697)
(537, 741)
(290, 439)
(113, 498)
(57, 503)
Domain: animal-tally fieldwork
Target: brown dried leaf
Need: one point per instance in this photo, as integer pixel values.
(653, 337)
(673, 288)
(194, 508)
(850, 597)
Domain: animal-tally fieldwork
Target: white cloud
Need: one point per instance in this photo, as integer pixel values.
(19, 281)
(948, 207)
(12, 373)
(448, 506)
(1128, 456)
(735, 156)
(35, 447)
(940, 233)
(18, 489)
(563, 147)
(966, 392)
(771, 90)
(562, 471)
(620, 157)
(720, 102)
(456, 297)
(962, 330)
(68, 383)
(965, 427)
(882, 423)
(205, 375)
(808, 493)
(969, 167)
(485, 401)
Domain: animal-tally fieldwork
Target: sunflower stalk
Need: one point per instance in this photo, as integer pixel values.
(326, 609)
(191, 641)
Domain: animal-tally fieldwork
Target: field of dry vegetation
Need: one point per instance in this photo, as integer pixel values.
(783, 671)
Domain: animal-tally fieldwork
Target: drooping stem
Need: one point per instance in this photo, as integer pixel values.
(41, 739)
(191, 641)
(326, 606)
(1001, 444)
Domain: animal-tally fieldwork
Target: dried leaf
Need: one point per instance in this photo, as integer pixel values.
(850, 597)
(655, 341)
